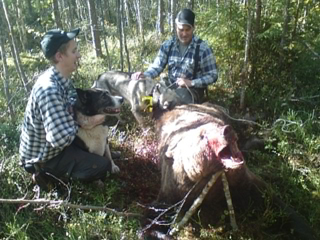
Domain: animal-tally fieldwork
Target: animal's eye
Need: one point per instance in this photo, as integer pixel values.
(202, 136)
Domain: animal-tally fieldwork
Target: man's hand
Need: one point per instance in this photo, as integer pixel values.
(183, 82)
(137, 75)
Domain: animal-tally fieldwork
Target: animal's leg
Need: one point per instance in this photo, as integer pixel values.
(114, 167)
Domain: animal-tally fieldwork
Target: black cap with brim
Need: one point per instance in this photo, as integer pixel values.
(54, 38)
(185, 16)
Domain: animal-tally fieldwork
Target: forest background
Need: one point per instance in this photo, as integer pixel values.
(268, 54)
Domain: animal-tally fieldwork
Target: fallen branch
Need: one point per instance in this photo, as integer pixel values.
(58, 203)
(195, 204)
(229, 202)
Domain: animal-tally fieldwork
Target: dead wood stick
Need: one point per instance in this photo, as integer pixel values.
(59, 203)
(195, 204)
(229, 202)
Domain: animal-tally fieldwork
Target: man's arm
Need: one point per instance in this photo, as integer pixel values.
(160, 62)
(208, 69)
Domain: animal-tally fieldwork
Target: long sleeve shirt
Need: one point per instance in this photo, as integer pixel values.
(183, 66)
(48, 126)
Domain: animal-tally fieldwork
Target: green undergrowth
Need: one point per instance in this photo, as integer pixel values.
(282, 103)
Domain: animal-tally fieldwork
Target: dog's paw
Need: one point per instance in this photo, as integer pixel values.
(115, 168)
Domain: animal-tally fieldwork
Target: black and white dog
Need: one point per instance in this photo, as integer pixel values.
(95, 102)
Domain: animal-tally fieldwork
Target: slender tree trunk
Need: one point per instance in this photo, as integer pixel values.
(120, 32)
(21, 24)
(285, 28)
(258, 16)
(103, 18)
(244, 72)
(127, 11)
(15, 52)
(124, 36)
(140, 20)
(72, 13)
(160, 28)
(173, 4)
(5, 75)
(56, 13)
(95, 33)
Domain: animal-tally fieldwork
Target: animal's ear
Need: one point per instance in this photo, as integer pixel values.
(82, 95)
(172, 147)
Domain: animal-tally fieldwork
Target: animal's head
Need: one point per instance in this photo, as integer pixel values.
(201, 144)
(164, 97)
(96, 101)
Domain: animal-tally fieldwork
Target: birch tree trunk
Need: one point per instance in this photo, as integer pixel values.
(173, 4)
(94, 28)
(160, 28)
(14, 49)
(140, 20)
(127, 11)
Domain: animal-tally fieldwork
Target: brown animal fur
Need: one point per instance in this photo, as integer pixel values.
(196, 141)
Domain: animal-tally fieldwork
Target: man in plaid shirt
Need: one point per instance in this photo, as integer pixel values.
(188, 74)
(47, 139)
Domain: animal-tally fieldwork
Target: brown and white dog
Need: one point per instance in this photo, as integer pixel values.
(94, 102)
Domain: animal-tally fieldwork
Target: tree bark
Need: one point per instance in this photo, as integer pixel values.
(124, 36)
(56, 13)
(94, 28)
(140, 20)
(244, 72)
(127, 11)
(120, 32)
(173, 4)
(160, 27)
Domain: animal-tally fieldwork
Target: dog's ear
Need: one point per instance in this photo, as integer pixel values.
(82, 95)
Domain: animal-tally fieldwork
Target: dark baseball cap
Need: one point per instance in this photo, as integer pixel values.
(185, 16)
(54, 38)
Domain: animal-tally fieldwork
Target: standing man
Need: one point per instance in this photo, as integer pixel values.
(47, 147)
(191, 62)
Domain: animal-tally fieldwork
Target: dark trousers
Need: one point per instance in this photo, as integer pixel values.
(187, 95)
(76, 163)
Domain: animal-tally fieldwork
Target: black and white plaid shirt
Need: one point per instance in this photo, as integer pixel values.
(183, 66)
(48, 126)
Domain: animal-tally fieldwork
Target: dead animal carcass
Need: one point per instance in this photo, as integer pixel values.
(195, 143)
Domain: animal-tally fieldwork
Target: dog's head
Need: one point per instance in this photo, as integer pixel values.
(91, 102)
(164, 97)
